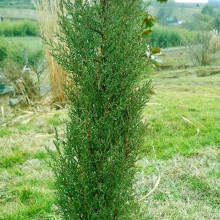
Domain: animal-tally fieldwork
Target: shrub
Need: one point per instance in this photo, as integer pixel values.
(171, 36)
(105, 58)
(19, 28)
(207, 10)
(165, 37)
(189, 25)
(5, 28)
(32, 28)
(3, 52)
(20, 54)
(14, 58)
(202, 50)
(3, 49)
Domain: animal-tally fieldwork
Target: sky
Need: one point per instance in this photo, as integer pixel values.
(192, 1)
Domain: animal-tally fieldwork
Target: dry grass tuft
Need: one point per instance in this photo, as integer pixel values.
(48, 23)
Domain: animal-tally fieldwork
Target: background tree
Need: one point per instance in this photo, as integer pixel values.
(37, 61)
(217, 23)
(162, 1)
(202, 48)
(166, 11)
(15, 57)
(161, 13)
(207, 10)
(201, 21)
(102, 51)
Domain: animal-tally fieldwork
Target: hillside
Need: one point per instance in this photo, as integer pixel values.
(15, 10)
(182, 13)
(25, 4)
(15, 13)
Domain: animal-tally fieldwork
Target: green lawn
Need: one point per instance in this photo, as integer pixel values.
(182, 95)
(31, 42)
(183, 143)
(182, 147)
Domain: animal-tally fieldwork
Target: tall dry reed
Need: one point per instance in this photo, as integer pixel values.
(47, 10)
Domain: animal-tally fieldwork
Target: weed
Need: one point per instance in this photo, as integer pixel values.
(5, 132)
(13, 157)
(22, 128)
(159, 196)
(54, 120)
(215, 172)
(40, 155)
(17, 172)
(25, 195)
(149, 169)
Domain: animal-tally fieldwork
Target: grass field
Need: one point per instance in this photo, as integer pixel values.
(183, 14)
(184, 144)
(15, 13)
(181, 151)
(182, 147)
(31, 42)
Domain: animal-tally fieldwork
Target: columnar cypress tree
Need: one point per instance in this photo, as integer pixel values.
(102, 50)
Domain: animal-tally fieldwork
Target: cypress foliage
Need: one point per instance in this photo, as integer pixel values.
(103, 53)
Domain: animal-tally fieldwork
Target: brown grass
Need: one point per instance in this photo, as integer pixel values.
(188, 188)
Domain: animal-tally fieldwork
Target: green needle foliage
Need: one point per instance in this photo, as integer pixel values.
(102, 50)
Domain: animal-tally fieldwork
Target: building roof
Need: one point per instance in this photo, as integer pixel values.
(172, 19)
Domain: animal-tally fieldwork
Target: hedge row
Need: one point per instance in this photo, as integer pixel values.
(171, 36)
(19, 28)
